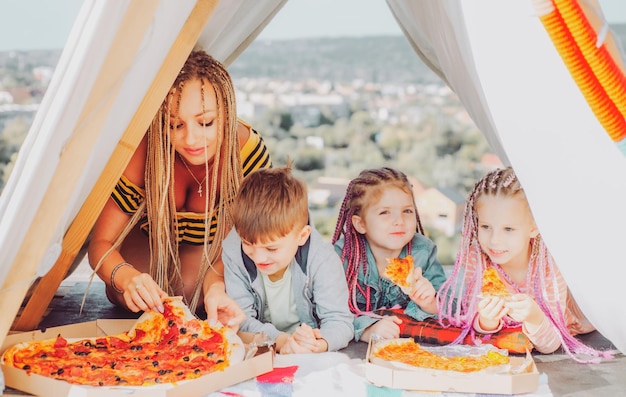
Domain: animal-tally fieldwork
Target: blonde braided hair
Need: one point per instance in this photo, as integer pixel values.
(226, 172)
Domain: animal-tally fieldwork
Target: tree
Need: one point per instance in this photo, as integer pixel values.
(274, 123)
(446, 246)
(309, 159)
(327, 117)
(11, 139)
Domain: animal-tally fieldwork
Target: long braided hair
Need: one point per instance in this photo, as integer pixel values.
(458, 297)
(363, 190)
(226, 176)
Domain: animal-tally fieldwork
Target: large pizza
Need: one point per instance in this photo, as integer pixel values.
(408, 352)
(399, 271)
(492, 284)
(161, 348)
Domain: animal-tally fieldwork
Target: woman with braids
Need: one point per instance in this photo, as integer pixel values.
(499, 231)
(379, 220)
(161, 231)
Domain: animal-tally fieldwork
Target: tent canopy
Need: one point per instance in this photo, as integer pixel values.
(122, 56)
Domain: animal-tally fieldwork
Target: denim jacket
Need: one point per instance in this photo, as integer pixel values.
(385, 294)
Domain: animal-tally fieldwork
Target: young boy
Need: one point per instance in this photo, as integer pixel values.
(286, 279)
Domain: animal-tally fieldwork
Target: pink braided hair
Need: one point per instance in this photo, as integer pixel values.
(458, 297)
(361, 191)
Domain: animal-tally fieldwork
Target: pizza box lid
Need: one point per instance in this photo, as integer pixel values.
(38, 385)
(381, 374)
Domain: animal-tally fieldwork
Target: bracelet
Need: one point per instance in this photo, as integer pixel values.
(115, 269)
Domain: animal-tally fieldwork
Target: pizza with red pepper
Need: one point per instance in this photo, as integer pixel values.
(166, 347)
(492, 284)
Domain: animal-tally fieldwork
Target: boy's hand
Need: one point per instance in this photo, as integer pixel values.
(423, 293)
(387, 328)
(293, 347)
(491, 309)
(221, 307)
(310, 339)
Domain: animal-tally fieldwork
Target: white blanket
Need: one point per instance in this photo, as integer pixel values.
(336, 374)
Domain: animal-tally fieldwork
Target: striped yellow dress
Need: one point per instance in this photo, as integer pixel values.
(191, 226)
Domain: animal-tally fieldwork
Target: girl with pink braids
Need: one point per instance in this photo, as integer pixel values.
(499, 231)
(379, 220)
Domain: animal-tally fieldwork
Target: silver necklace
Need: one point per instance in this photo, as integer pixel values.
(193, 176)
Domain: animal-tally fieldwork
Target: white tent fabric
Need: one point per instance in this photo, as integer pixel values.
(499, 59)
(234, 25)
(436, 31)
(493, 54)
(234, 22)
(57, 118)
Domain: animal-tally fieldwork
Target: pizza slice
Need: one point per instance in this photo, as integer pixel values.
(161, 348)
(462, 359)
(400, 272)
(492, 284)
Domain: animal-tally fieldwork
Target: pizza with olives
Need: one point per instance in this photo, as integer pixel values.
(161, 348)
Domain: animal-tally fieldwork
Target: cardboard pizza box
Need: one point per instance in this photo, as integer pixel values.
(383, 374)
(38, 385)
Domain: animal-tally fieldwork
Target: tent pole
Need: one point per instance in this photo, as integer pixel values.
(77, 233)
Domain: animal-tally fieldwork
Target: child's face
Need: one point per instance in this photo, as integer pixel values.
(505, 227)
(273, 257)
(196, 135)
(388, 224)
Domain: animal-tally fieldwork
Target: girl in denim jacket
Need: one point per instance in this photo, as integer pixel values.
(379, 220)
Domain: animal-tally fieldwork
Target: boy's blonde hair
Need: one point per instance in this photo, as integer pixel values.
(271, 203)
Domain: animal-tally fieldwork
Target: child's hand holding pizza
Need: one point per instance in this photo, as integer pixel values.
(422, 292)
(491, 309)
(493, 295)
(401, 271)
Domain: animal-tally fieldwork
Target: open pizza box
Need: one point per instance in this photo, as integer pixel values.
(42, 386)
(387, 374)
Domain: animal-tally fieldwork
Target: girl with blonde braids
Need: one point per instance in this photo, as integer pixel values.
(379, 220)
(499, 231)
(160, 233)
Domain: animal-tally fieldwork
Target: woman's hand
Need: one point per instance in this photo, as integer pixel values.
(142, 293)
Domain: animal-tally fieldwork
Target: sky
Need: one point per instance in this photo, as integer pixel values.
(45, 24)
